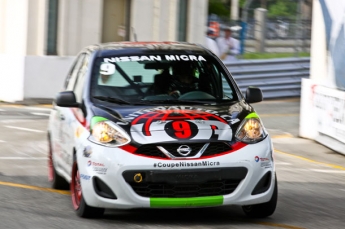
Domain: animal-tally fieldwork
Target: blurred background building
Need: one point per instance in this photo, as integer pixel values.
(39, 38)
(63, 27)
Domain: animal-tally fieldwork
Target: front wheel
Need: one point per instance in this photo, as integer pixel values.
(265, 209)
(79, 204)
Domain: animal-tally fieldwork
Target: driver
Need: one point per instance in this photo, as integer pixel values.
(183, 79)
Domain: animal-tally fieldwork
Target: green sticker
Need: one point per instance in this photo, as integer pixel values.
(95, 120)
(252, 115)
(186, 202)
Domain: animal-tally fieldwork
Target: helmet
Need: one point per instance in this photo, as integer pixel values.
(183, 78)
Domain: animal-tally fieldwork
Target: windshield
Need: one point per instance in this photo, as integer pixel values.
(161, 78)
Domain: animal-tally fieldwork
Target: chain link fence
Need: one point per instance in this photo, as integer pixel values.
(276, 31)
(277, 28)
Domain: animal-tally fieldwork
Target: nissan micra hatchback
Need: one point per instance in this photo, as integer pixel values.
(158, 125)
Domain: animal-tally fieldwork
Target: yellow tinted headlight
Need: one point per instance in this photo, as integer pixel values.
(251, 130)
(109, 134)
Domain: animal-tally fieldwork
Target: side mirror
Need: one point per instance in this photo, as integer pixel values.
(66, 99)
(253, 95)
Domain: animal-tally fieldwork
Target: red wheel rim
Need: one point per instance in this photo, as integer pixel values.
(76, 187)
(50, 163)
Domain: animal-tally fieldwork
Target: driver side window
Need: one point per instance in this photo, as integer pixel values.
(72, 75)
(79, 86)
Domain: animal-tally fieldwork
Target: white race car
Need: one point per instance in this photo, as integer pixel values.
(158, 125)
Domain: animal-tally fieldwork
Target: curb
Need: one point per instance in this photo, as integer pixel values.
(29, 102)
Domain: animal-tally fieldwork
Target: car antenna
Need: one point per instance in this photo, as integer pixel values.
(134, 34)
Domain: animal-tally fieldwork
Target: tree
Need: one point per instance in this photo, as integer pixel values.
(275, 8)
(219, 8)
(282, 8)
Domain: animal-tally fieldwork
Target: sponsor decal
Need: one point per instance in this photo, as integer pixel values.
(175, 125)
(176, 109)
(329, 107)
(264, 161)
(97, 167)
(229, 118)
(233, 121)
(100, 170)
(79, 131)
(85, 177)
(186, 164)
(151, 58)
(87, 151)
(97, 164)
(107, 69)
(234, 111)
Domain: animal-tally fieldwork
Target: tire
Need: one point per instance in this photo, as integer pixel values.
(57, 181)
(82, 209)
(265, 209)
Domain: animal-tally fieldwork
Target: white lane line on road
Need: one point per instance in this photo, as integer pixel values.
(278, 115)
(327, 171)
(292, 169)
(38, 108)
(20, 120)
(282, 163)
(2, 110)
(26, 129)
(36, 113)
(2, 141)
(311, 161)
(23, 158)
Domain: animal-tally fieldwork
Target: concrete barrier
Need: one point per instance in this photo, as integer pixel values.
(32, 77)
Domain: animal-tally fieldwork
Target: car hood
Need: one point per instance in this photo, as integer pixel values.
(151, 124)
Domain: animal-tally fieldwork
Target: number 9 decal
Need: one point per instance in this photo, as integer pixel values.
(181, 129)
(107, 69)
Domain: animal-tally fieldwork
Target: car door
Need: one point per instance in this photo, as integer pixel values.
(75, 116)
(64, 119)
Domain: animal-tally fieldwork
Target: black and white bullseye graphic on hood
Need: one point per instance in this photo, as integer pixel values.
(179, 125)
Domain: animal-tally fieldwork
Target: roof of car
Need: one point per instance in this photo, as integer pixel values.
(146, 45)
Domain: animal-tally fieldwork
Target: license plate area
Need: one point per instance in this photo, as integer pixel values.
(185, 177)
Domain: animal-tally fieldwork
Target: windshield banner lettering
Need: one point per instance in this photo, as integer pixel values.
(154, 58)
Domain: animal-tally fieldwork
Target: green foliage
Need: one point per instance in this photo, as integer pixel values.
(276, 8)
(241, 3)
(217, 7)
(282, 8)
(273, 55)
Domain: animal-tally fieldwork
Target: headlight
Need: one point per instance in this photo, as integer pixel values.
(251, 130)
(107, 133)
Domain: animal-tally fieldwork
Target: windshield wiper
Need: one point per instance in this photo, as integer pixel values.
(175, 101)
(225, 101)
(111, 99)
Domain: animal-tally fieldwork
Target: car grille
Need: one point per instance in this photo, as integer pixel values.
(209, 188)
(213, 149)
(185, 182)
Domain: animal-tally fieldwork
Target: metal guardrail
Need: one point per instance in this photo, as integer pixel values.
(277, 78)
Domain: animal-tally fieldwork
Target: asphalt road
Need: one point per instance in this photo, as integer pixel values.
(311, 181)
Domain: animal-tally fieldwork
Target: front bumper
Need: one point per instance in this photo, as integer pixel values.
(114, 178)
